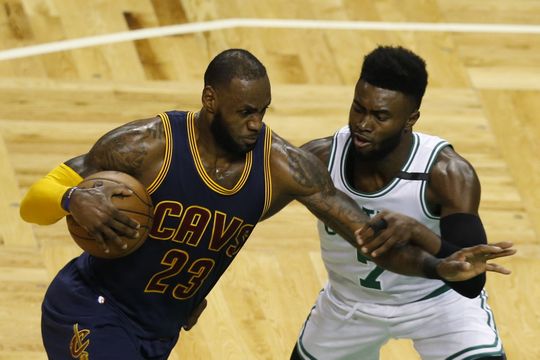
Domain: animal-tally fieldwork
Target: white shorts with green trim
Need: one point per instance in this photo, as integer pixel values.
(448, 326)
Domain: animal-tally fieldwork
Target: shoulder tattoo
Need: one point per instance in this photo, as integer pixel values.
(126, 148)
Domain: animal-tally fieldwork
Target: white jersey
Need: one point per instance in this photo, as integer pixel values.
(363, 306)
(352, 277)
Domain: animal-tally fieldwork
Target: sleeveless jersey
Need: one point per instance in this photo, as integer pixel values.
(199, 226)
(351, 275)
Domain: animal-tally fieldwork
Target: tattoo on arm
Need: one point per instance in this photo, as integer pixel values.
(331, 206)
(155, 131)
(126, 148)
(308, 174)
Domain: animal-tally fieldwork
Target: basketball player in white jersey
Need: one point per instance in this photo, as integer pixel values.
(380, 162)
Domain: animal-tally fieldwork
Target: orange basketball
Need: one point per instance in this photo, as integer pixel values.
(137, 206)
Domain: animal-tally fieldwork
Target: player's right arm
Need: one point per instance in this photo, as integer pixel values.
(135, 148)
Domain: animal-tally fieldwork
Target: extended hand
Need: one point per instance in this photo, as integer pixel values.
(469, 262)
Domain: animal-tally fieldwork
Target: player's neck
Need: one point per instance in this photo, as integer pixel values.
(221, 165)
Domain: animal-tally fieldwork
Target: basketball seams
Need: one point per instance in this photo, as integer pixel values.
(139, 208)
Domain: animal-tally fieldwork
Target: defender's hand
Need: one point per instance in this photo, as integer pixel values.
(194, 317)
(93, 209)
(384, 231)
(472, 261)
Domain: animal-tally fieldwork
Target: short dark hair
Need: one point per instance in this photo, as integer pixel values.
(230, 64)
(398, 69)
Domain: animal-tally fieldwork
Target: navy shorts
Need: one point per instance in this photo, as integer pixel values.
(78, 323)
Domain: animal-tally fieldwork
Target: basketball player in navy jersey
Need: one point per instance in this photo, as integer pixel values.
(381, 163)
(212, 176)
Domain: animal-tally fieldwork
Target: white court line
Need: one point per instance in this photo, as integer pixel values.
(261, 23)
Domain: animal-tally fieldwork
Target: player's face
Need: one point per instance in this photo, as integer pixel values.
(378, 119)
(239, 117)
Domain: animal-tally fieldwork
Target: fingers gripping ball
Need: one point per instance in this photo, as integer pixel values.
(138, 206)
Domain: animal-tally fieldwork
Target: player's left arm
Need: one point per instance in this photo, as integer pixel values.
(453, 192)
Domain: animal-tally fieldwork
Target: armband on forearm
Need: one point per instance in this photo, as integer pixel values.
(458, 231)
(446, 249)
(42, 204)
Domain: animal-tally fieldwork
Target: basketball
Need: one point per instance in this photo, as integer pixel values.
(137, 206)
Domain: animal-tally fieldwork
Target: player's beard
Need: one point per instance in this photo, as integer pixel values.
(384, 148)
(224, 138)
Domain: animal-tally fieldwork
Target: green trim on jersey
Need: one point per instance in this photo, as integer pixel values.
(434, 154)
(388, 187)
(330, 164)
(495, 344)
(438, 291)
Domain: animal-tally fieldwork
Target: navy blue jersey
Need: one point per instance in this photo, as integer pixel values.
(199, 227)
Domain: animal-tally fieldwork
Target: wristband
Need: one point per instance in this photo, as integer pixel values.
(67, 198)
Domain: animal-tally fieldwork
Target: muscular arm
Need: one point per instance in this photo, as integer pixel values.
(135, 148)
(298, 174)
(453, 186)
(454, 192)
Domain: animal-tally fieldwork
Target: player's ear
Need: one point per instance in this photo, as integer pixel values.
(412, 120)
(209, 99)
